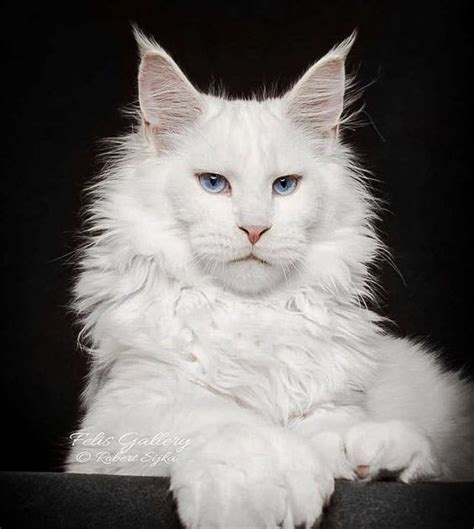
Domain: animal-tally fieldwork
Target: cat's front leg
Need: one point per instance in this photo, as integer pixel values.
(252, 477)
(359, 448)
(237, 468)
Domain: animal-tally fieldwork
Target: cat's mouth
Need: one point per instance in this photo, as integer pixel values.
(249, 258)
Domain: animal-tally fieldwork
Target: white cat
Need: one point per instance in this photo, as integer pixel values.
(222, 294)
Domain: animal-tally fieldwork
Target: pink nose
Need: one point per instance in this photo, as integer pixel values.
(254, 232)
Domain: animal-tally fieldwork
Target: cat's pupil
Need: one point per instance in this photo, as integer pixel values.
(283, 182)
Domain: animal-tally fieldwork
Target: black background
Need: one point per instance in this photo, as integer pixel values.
(67, 70)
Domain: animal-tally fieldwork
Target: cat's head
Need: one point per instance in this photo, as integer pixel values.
(253, 194)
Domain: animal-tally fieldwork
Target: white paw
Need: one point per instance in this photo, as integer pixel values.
(252, 478)
(395, 448)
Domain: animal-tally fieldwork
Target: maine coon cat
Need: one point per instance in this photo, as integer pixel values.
(222, 298)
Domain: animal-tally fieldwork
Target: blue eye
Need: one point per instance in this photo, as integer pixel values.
(285, 185)
(212, 182)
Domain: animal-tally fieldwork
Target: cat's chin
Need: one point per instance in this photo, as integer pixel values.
(250, 276)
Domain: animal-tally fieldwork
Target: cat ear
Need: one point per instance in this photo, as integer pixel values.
(316, 101)
(168, 101)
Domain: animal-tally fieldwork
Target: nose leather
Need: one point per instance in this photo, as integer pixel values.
(254, 232)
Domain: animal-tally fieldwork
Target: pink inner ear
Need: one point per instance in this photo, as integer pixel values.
(317, 99)
(168, 100)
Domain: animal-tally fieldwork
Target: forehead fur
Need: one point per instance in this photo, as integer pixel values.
(236, 136)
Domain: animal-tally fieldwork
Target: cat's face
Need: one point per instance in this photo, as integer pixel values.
(247, 195)
(250, 185)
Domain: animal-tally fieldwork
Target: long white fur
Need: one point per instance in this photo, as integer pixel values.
(278, 373)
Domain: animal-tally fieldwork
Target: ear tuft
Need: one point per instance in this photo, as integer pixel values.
(145, 44)
(343, 48)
